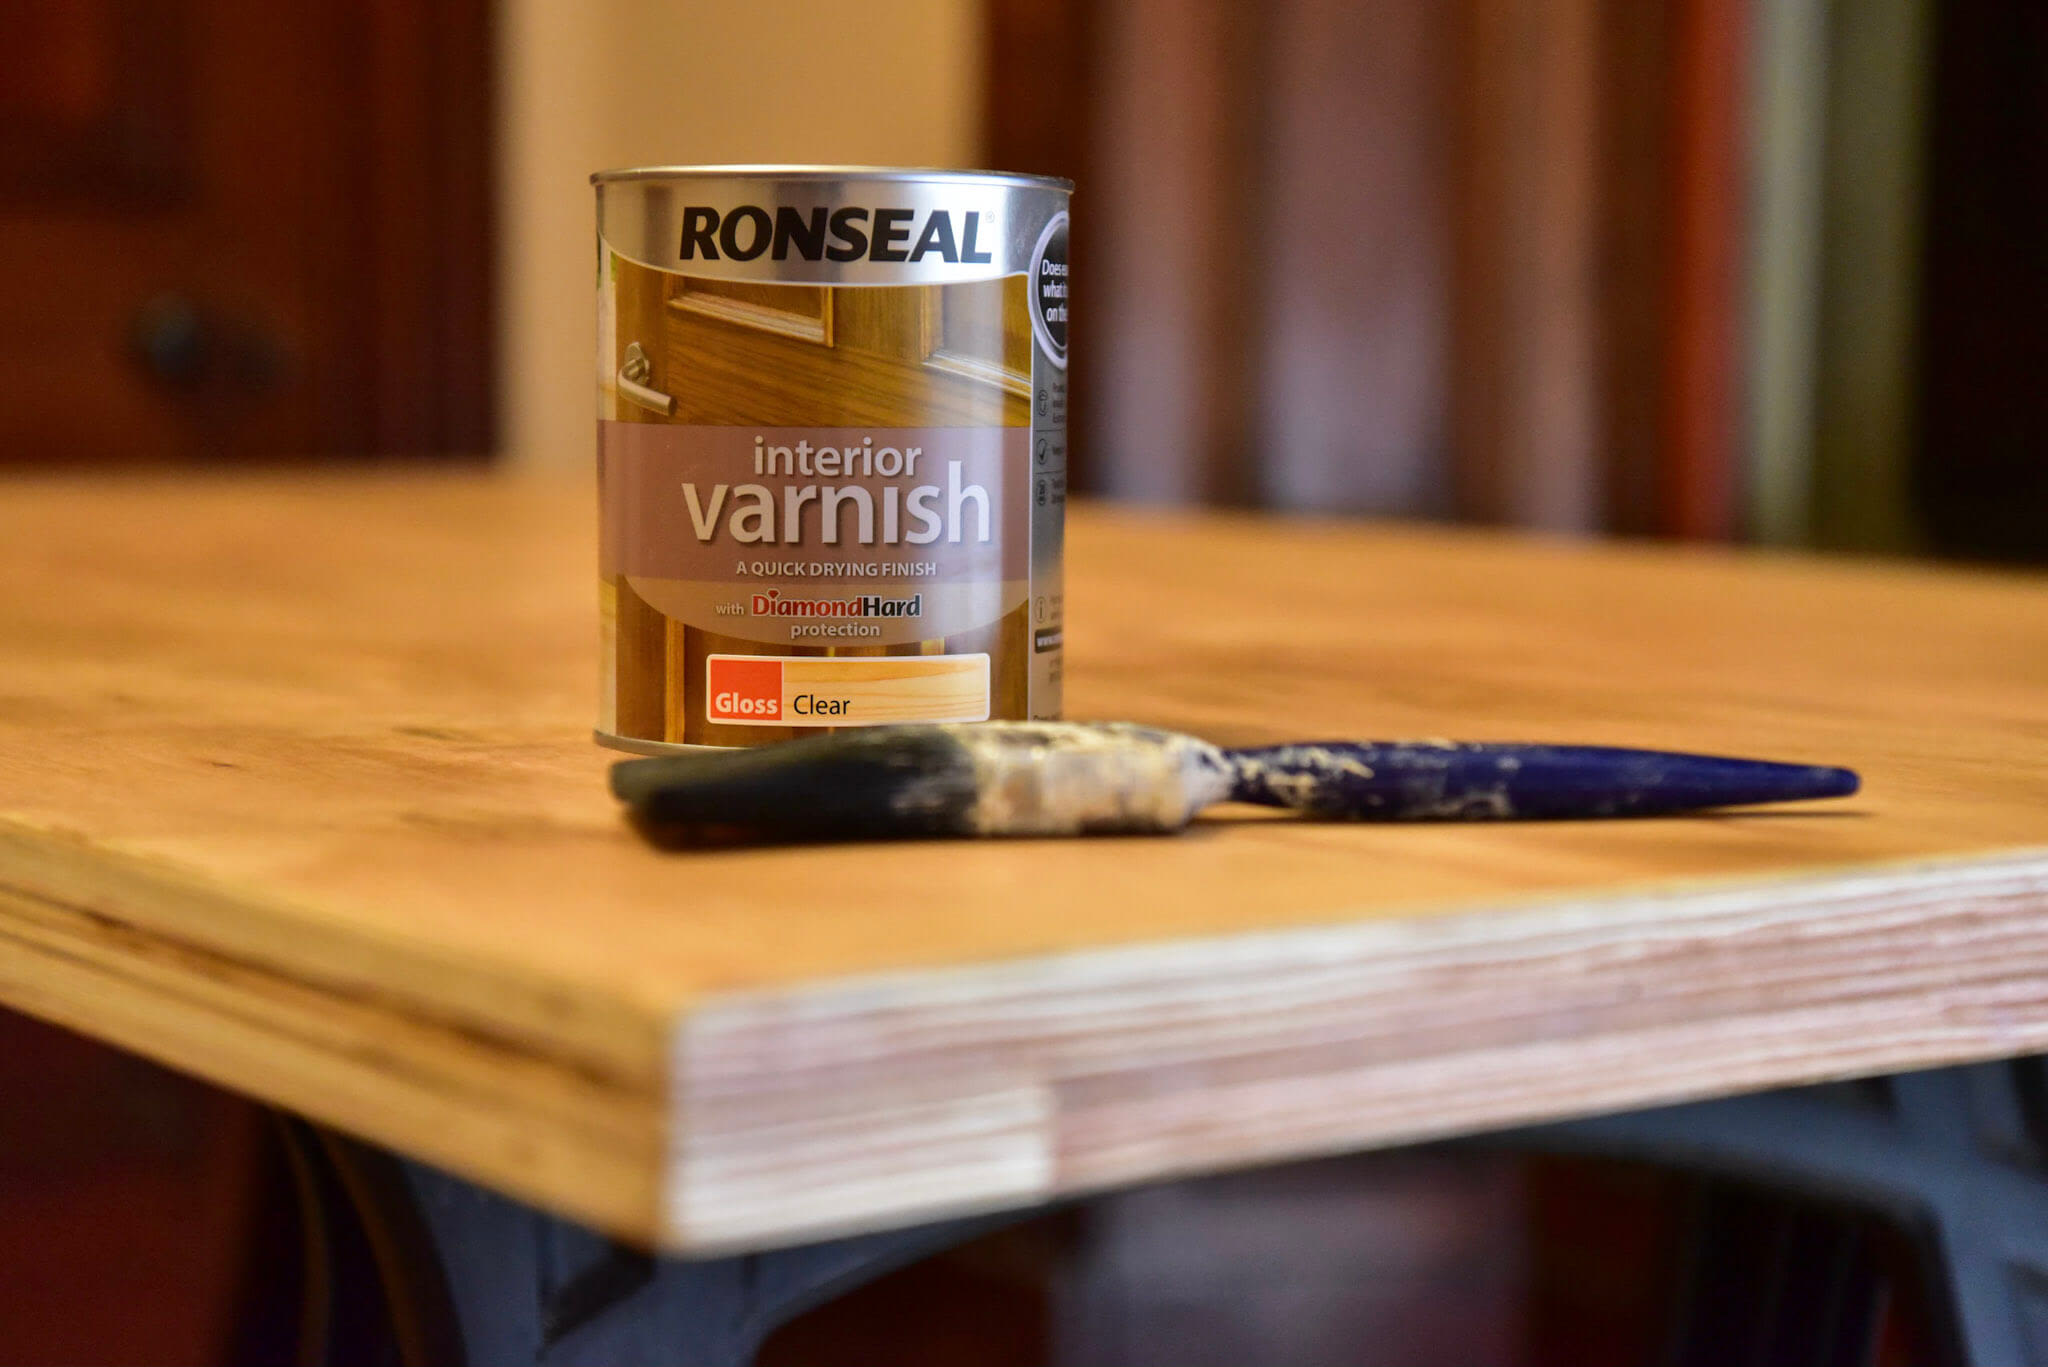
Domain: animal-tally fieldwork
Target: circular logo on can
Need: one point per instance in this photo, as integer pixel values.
(1049, 290)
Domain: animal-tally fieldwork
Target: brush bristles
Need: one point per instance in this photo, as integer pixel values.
(879, 783)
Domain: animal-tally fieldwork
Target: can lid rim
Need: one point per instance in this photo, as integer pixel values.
(772, 171)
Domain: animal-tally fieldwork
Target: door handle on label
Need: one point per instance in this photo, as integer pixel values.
(633, 377)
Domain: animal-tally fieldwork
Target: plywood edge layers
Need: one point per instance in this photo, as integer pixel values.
(571, 1141)
(901, 1098)
(605, 1034)
(526, 1085)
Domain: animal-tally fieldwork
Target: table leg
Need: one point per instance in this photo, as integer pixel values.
(1958, 1154)
(526, 1287)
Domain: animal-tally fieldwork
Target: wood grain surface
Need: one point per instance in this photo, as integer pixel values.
(296, 793)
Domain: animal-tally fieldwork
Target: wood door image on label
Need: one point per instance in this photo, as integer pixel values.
(733, 354)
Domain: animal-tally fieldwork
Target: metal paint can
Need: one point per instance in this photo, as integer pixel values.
(832, 450)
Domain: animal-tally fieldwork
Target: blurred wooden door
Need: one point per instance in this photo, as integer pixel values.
(229, 230)
(234, 229)
(1471, 259)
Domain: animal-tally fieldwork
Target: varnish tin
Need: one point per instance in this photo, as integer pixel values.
(832, 449)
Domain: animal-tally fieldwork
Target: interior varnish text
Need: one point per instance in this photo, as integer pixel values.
(832, 449)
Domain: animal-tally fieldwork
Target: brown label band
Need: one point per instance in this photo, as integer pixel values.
(823, 507)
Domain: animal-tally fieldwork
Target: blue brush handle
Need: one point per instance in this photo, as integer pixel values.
(1423, 780)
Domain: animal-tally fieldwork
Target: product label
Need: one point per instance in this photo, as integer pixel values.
(819, 535)
(1048, 299)
(831, 453)
(861, 690)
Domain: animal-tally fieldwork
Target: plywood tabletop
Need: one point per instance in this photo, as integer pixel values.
(297, 794)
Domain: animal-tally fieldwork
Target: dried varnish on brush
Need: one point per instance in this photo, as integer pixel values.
(1021, 779)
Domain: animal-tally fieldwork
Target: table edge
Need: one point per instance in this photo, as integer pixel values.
(823, 1109)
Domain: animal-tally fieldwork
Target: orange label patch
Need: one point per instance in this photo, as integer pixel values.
(744, 689)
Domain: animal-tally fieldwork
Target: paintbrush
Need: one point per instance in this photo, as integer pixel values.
(1073, 778)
